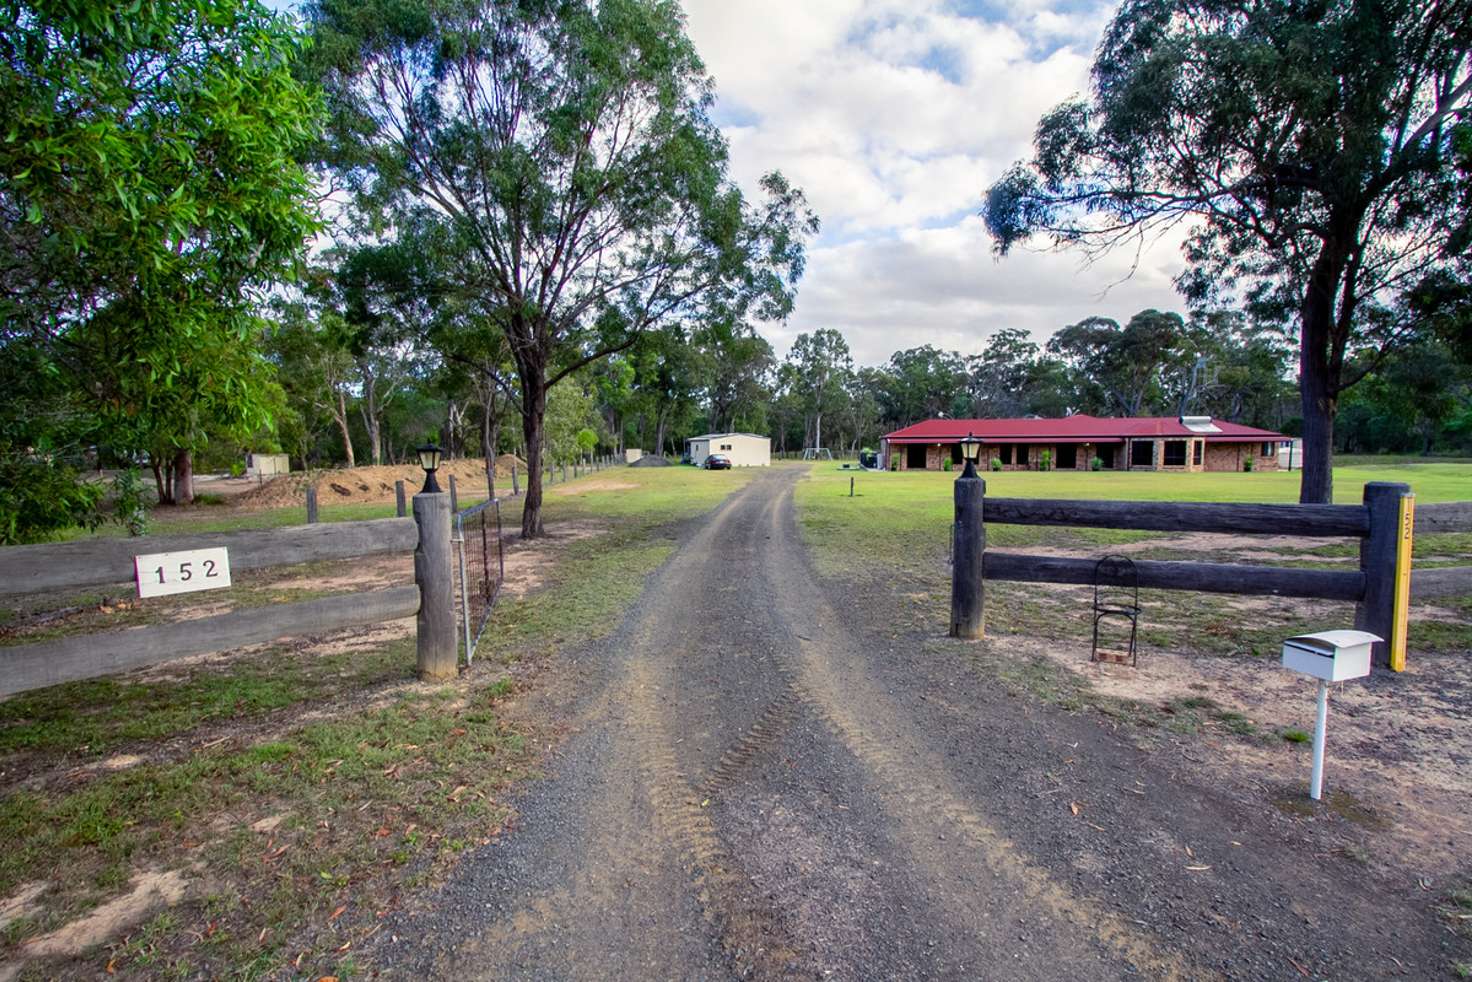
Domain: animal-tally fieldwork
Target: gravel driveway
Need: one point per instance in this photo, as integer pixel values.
(760, 778)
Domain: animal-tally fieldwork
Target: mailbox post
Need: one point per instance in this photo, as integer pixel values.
(1329, 656)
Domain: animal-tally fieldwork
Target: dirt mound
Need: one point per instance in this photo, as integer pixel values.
(364, 485)
(651, 460)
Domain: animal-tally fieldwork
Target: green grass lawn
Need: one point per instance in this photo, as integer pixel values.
(896, 530)
(892, 512)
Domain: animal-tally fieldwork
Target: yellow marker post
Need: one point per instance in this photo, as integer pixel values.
(1401, 619)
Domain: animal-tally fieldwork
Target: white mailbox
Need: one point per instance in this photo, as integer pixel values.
(1330, 655)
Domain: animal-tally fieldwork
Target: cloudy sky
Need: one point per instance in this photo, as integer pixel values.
(894, 116)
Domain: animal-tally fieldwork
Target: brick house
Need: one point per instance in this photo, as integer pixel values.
(1142, 443)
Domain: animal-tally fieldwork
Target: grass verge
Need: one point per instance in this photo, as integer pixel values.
(297, 833)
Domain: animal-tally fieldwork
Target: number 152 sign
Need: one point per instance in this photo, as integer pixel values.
(164, 573)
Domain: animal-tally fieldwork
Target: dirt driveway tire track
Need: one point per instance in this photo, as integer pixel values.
(763, 785)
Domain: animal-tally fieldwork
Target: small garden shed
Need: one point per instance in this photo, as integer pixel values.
(744, 449)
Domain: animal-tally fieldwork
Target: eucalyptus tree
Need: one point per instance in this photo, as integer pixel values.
(1315, 153)
(820, 370)
(149, 195)
(568, 147)
(738, 364)
(924, 382)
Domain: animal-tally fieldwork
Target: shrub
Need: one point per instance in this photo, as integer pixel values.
(945, 465)
(996, 463)
(1247, 465)
(131, 499)
(42, 499)
(1097, 464)
(1045, 460)
(894, 463)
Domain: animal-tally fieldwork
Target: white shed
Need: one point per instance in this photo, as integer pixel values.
(744, 449)
(261, 465)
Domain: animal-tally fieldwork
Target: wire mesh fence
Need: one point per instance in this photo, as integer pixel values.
(482, 564)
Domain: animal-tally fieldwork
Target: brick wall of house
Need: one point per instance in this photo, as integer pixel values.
(1225, 456)
(1230, 456)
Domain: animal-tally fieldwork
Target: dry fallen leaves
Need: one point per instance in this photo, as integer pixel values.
(1074, 807)
(337, 913)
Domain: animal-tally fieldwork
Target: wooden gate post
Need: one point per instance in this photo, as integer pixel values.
(1376, 610)
(515, 480)
(400, 502)
(432, 572)
(968, 541)
(311, 504)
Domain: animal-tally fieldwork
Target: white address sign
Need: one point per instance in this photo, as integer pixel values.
(163, 573)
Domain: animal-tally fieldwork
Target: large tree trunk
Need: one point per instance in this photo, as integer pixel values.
(183, 478)
(534, 408)
(1317, 389)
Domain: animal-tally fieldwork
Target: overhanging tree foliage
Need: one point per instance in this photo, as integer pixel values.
(1317, 152)
(148, 193)
(568, 151)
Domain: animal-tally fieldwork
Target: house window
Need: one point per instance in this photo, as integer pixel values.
(915, 457)
(1196, 451)
(1006, 452)
(1068, 457)
(955, 453)
(1267, 449)
(1106, 458)
(1142, 453)
(725, 446)
(1022, 453)
(1175, 453)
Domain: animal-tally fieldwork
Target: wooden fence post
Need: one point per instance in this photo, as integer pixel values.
(401, 507)
(1376, 611)
(515, 480)
(311, 504)
(454, 496)
(968, 540)
(436, 642)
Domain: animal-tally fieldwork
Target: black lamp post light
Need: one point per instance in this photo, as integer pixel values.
(971, 451)
(429, 459)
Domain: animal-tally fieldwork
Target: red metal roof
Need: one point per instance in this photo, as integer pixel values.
(1079, 428)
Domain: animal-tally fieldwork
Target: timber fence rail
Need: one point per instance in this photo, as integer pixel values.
(105, 562)
(1378, 523)
(1442, 581)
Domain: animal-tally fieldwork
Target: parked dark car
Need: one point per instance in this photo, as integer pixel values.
(717, 462)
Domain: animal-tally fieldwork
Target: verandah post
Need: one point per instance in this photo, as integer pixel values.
(968, 540)
(1376, 610)
(435, 626)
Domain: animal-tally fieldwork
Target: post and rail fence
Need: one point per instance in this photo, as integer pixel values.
(33, 569)
(1381, 587)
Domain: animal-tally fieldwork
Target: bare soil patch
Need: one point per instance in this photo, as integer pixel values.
(147, 893)
(373, 484)
(1400, 744)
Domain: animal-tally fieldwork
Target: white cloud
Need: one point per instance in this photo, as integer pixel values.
(894, 116)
